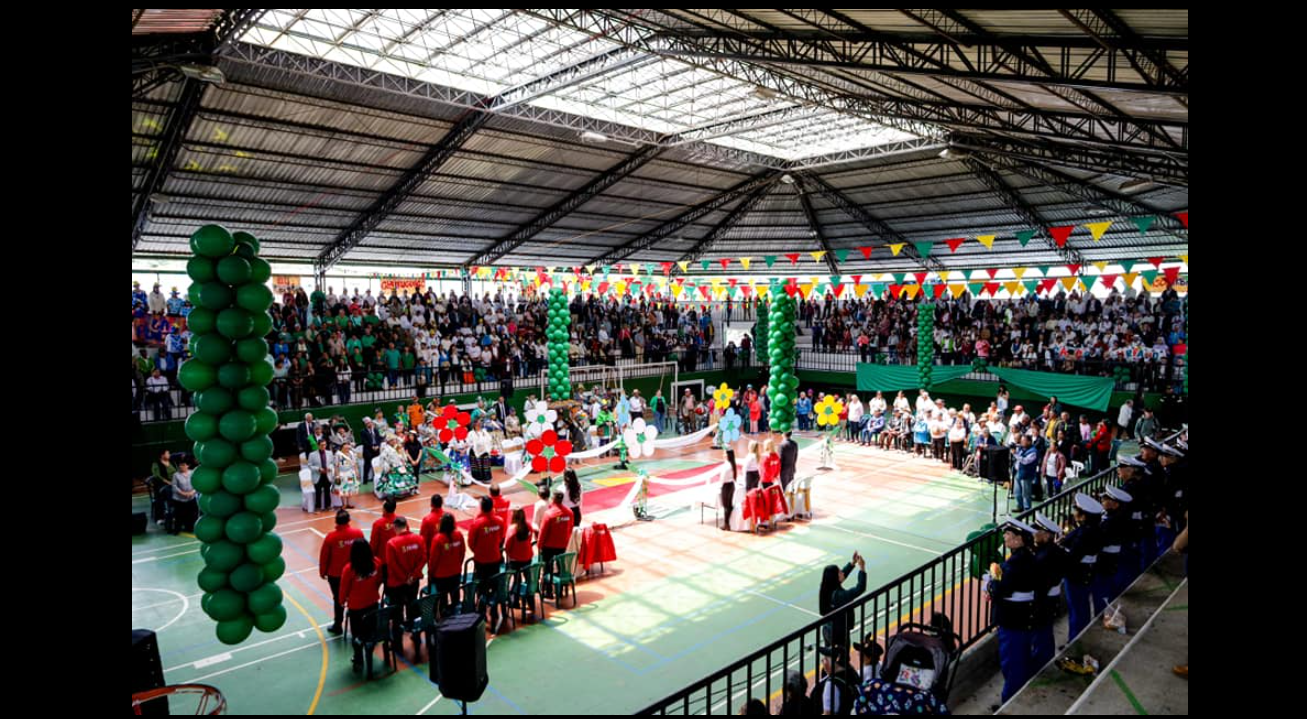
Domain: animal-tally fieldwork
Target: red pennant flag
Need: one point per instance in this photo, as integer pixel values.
(857, 279)
(793, 258)
(1172, 274)
(473, 270)
(704, 290)
(734, 281)
(603, 287)
(791, 289)
(894, 290)
(667, 267)
(866, 252)
(1184, 218)
(1048, 285)
(1075, 269)
(794, 281)
(679, 280)
(991, 273)
(837, 289)
(954, 244)
(745, 289)
(991, 288)
(565, 284)
(1155, 261)
(939, 290)
(921, 277)
(618, 268)
(725, 261)
(1108, 280)
(1060, 234)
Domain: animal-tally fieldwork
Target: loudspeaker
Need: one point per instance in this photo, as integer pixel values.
(147, 670)
(460, 663)
(996, 459)
(139, 520)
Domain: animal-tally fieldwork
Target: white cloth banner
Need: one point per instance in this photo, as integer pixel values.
(504, 485)
(592, 453)
(685, 441)
(705, 478)
(512, 443)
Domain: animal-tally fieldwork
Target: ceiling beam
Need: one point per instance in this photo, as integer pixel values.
(814, 224)
(721, 228)
(994, 182)
(871, 222)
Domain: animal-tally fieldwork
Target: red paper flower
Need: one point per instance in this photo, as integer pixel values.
(452, 424)
(548, 453)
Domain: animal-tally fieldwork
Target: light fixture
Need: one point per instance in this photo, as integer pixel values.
(203, 73)
(591, 136)
(1135, 185)
(954, 153)
(765, 93)
(787, 178)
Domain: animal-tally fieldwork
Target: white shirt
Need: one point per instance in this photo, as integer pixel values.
(538, 516)
(480, 442)
(157, 385)
(1123, 418)
(855, 411)
(750, 463)
(637, 404)
(878, 404)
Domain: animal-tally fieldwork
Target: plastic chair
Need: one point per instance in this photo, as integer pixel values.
(376, 630)
(562, 576)
(527, 588)
(498, 599)
(423, 622)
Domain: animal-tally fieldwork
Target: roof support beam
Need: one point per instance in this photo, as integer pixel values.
(871, 222)
(815, 225)
(704, 245)
(1163, 169)
(1014, 201)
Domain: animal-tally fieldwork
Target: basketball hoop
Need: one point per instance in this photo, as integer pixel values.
(207, 699)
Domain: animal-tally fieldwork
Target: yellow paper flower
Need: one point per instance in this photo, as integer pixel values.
(722, 397)
(828, 411)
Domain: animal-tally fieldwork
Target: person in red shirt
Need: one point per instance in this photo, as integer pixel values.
(382, 530)
(486, 538)
(1100, 444)
(360, 585)
(431, 522)
(555, 532)
(445, 562)
(518, 545)
(332, 560)
(503, 507)
(771, 463)
(406, 557)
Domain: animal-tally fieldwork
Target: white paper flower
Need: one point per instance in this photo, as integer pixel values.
(640, 439)
(539, 418)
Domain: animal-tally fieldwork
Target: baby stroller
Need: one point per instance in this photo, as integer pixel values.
(923, 657)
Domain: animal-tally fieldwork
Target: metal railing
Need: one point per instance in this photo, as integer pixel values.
(948, 585)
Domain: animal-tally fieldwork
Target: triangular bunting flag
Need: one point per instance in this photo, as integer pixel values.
(1100, 265)
(990, 273)
(635, 269)
(877, 289)
(954, 243)
(1098, 228)
(860, 290)
(991, 288)
(1030, 286)
(1129, 279)
(957, 289)
(1060, 234)
(1070, 282)
(816, 256)
(866, 252)
(770, 260)
(1020, 272)
(745, 289)
(986, 240)
(1044, 270)
(1012, 287)
(897, 248)
(921, 277)
(706, 291)
(1184, 258)
(806, 289)
(1156, 261)
(1184, 218)
(744, 261)
(685, 266)
(1143, 223)
(704, 264)
(911, 291)
(821, 288)
(666, 267)
(725, 261)
(841, 256)
(857, 279)
(923, 248)
(895, 290)
(1108, 280)
(793, 257)
(1073, 269)
(976, 288)
(1172, 274)
(1024, 237)
(938, 290)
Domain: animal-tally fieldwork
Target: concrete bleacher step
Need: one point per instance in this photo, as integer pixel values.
(1054, 691)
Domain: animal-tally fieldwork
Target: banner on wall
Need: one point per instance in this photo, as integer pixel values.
(281, 284)
(415, 284)
(1160, 285)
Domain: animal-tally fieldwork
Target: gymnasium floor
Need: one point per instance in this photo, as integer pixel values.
(683, 599)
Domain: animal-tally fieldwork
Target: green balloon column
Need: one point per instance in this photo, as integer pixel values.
(560, 323)
(229, 373)
(783, 384)
(925, 343)
(760, 334)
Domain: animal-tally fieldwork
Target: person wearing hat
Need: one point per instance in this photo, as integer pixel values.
(1172, 497)
(837, 688)
(138, 295)
(1082, 544)
(175, 303)
(1051, 563)
(1012, 589)
(1144, 490)
(1117, 560)
(157, 302)
(870, 652)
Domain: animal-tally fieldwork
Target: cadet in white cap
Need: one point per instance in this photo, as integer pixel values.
(1051, 564)
(1012, 590)
(1145, 490)
(1117, 562)
(1082, 544)
(1174, 484)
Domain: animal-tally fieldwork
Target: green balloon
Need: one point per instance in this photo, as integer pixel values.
(225, 604)
(265, 420)
(206, 480)
(210, 529)
(244, 251)
(262, 324)
(214, 400)
(273, 570)
(244, 527)
(260, 270)
(201, 269)
(234, 375)
(261, 500)
(236, 425)
(268, 471)
(254, 297)
(780, 400)
(264, 598)
(212, 241)
(216, 453)
(214, 296)
(234, 270)
(245, 238)
(272, 620)
(236, 630)
(211, 349)
(266, 548)
(240, 478)
(252, 399)
(224, 556)
(269, 521)
(201, 426)
(256, 449)
(201, 321)
(222, 504)
(260, 373)
(246, 578)
(196, 376)
(251, 350)
(235, 323)
(211, 580)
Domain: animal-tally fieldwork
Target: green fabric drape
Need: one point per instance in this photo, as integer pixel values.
(884, 378)
(1076, 390)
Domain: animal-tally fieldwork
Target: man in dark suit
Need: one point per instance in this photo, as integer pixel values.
(789, 452)
(371, 447)
(303, 433)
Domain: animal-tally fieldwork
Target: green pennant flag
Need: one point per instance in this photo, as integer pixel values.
(1044, 270)
(1143, 223)
(976, 288)
(841, 256)
(1024, 237)
(877, 289)
(834, 280)
(607, 270)
(821, 289)
(1030, 286)
(705, 264)
(1149, 277)
(730, 291)
(900, 278)
(923, 248)
(770, 260)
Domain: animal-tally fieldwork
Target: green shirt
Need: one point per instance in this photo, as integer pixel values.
(409, 360)
(368, 340)
(392, 358)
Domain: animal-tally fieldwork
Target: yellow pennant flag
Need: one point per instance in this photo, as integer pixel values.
(585, 285)
(957, 289)
(806, 290)
(676, 290)
(861, 290)
(635, 269)
(763, 290)
(912, 291)
(1012, 287)
(684, 266)
(1184, 258)
(1101, 266)
(484, 272)
(986, 240)
(1098, 228)
(1069, 282)
(1129, 278)
(590, 269)
(620, 288)
(1019, 272)
(816, 256)
(896, 249)
(745, 261)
